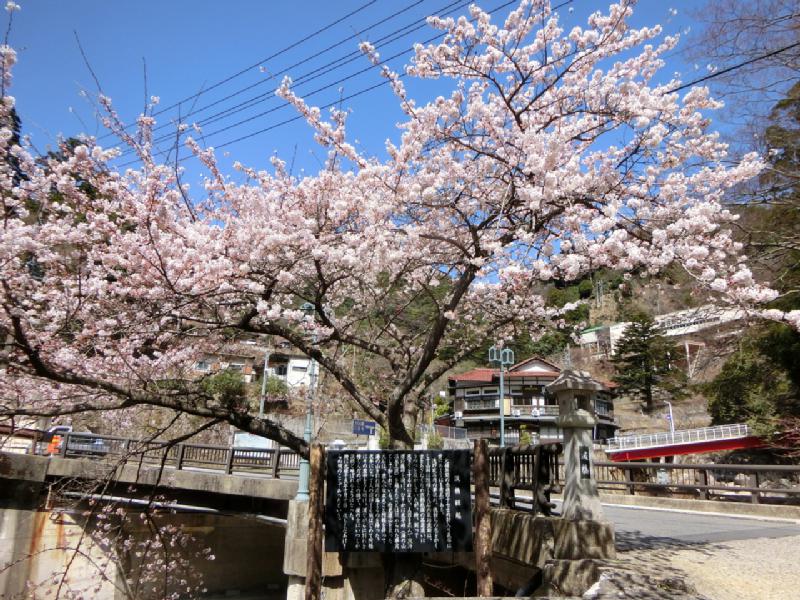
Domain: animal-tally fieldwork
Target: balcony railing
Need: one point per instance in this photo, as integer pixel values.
(481, 404)
(526, 410)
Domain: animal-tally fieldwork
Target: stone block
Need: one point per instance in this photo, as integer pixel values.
(569, 577)
(23, 467)
(574, 540)
(296, 547)
(522, 537)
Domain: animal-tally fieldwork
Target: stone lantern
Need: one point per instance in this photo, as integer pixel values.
(576, 392)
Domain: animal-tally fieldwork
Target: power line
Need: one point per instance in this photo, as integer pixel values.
(330, 104)
(385, 82)
(337, 63)
(254, 65)
(373, 87)
(733, 67)
(311, 57)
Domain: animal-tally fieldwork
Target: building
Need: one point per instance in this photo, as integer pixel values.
(475, 397)
(247, 357)
(601, 341)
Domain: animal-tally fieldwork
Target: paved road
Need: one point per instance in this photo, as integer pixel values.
(643, 528)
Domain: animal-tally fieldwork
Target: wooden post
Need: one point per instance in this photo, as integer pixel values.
(537, 465)
(507, 479)
(229, 463)
(316, 486)
(179, 460)
(276, 461)
(704, 483)
(483, 526)
(64, 444)
(752, 481)
(629, 479)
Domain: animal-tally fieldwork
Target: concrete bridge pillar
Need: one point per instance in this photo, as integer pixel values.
(355, 576)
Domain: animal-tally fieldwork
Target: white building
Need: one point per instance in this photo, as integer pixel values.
(248, 356)
(602, 340)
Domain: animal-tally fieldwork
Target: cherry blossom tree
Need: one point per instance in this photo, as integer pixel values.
(555, 153)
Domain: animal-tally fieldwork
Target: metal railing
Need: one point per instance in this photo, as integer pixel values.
(481, 404)
(269, 462)
(454, 433)
(685, 436)
(548, 410)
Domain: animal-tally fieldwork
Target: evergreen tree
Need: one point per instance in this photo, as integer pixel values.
(760, 382)
(645, 361)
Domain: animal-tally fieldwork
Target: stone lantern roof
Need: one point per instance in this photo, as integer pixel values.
(570, 379)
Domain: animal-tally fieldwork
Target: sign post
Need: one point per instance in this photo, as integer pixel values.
(483, 527)
(362, 427)
(315, 507)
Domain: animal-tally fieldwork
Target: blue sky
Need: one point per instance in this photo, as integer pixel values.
(189, 45)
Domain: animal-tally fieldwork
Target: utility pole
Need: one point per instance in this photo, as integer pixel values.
(502, 357)
(261, 400)
(671, 420)
(305, 467)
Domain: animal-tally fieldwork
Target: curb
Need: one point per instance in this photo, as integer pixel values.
(753, 511)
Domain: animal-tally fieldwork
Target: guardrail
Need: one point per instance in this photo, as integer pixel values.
(514, 468)
(685, 436)
(756, 483)
(265, 461)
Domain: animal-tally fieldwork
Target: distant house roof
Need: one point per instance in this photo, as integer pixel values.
(534, 366)
(485, 375)
(482, 375)
(531, 362)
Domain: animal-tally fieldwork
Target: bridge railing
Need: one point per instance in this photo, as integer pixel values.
(265, 461)
(518, 468)
(685, 436)
(514, 468)
(753, 483)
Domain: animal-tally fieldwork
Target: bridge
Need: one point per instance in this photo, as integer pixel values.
(198, 475)
(238, 502)
(684, 441)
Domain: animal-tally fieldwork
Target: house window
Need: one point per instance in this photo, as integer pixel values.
(280, 370)
(490, 390)
(603, 407)
(473, 392)
(300, 368)
(236, 366)
(531, 393)
(202, 365)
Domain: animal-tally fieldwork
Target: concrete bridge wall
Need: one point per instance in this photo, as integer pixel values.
(45, 544)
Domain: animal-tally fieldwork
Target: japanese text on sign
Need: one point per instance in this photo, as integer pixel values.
(398, 501)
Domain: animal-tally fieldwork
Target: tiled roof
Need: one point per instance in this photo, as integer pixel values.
(481, 374)
(484, 375)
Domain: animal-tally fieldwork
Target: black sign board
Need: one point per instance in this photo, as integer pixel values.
(585, 465)
(398, 501)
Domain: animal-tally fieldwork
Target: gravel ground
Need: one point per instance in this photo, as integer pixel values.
(759, 569)
(755, 569)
